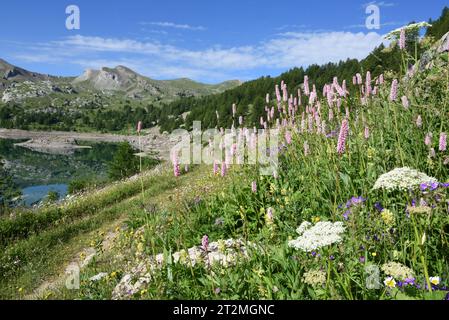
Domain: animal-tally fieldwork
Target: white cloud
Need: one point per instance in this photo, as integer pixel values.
(380, 4)
(166, 24)
(159, 60)
(385, 24)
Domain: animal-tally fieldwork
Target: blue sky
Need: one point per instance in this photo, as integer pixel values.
(206, 40)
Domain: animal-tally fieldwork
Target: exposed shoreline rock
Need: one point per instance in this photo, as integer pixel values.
(57, 142)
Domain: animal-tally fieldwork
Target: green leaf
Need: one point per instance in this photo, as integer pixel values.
(398, 295)
(435, 295)
(345, 178)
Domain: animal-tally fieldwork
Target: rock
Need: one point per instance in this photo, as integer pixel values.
(430, 57)
(444, 44)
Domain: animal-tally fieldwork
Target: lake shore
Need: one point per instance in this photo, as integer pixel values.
(60, 142)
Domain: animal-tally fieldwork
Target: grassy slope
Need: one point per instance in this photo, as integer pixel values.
(44, 254)
(310, 187)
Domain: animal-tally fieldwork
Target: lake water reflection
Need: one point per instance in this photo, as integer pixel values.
(38, 173)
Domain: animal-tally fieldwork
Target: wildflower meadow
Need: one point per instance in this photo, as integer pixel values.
(357, 208)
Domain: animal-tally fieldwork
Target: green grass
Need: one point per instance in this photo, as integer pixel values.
(318, 186)
(310, 187)
(27, 262)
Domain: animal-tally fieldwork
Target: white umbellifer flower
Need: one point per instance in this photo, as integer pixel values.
(409, 28)
(303, 227)
(397, 271)
(315, 277)
(402, 178)
(224, 253)
(320, 235)
(98, 277)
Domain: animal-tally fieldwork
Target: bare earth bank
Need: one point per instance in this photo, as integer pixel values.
(58, 142)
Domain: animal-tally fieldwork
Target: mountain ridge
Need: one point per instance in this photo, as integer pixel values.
(120, 79)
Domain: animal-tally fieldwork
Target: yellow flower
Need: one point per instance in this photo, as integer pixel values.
(316, 219)
(140, 247)
(371, 152)
(390, 282)
(259, 272)
(434, 280)
(388, 217)
(20, 290)
(143, 292)
(221, 246)
(374, 254)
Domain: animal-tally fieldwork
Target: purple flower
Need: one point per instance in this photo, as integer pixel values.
(378, 207)
(223, 169)
(215, 169)
(357, 200)
(394, 90)
(428, 139)
(409, 281)
(254, 186)
(402, 40)
(346, 215)
(344, 131)
(332, 258)
(443, 143)
(176, 168)
(313, 253)
(434, 186)
(217, 290)
(362, 259)
(288, 137)
(419, 121)
(205, 242)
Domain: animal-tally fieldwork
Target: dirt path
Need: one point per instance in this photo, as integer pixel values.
(80, 260)
(193, 184)
(60, 142)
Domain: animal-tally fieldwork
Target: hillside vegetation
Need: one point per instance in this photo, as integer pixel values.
(110, 99)
(357, 208)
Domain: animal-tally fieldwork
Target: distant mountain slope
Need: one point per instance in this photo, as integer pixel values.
(17, 84)
(9, 72)
(135, 85)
